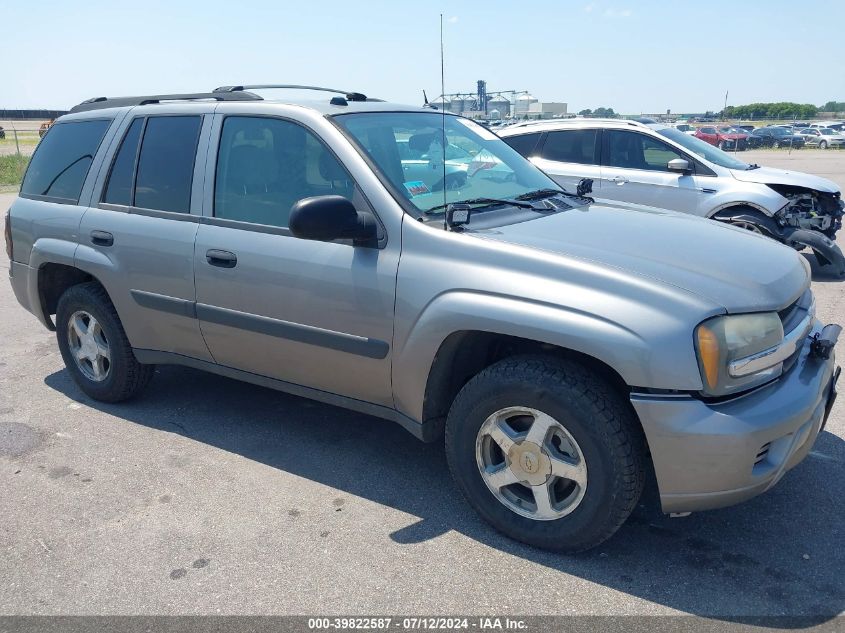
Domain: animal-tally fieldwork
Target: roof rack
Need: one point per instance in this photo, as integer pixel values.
(349, 95)
(99, 103)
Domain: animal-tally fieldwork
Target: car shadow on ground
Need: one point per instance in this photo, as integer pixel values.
(777, 555)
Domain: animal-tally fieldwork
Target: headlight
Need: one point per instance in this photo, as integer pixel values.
(724, 340)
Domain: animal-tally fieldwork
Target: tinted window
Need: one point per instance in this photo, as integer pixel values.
(631, 150)
(166, 163)
(571, 146)
(524, 144)
(61, 162)
(119, 188)
(266, 165)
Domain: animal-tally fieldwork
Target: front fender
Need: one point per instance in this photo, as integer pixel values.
(638, 361)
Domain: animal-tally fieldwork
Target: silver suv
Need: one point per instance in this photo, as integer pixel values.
(562, 347)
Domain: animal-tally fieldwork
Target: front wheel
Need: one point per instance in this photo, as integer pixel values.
(823, 145)
(546, 452)
(776, 144)
(94, 346)
(722, 145)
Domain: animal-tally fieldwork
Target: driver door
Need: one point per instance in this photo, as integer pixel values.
(314, 314)
(635, 169)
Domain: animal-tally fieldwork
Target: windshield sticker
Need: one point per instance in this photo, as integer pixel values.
(416, 187)
(482, 131)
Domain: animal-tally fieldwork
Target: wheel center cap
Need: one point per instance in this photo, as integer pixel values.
(529, 463)
(89, 348)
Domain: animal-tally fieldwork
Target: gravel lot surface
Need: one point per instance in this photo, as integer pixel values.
(211, 496)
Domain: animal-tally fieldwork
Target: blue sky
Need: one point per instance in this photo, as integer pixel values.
(635, 57)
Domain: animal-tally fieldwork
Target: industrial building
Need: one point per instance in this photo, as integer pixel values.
(499, 104)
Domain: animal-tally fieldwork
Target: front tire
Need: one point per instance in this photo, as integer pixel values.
(546, 452)
(94, 346)
(823, 145)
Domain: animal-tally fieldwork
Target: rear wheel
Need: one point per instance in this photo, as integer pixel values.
(94, 346)
(546, 452)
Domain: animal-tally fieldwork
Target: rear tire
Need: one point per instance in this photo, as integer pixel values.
(590, 432)
(94, 346)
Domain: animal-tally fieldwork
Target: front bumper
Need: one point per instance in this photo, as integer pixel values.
(710, 455)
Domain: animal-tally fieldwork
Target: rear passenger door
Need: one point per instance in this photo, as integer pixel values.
(138, 235)
(315, 314)
(570, 155)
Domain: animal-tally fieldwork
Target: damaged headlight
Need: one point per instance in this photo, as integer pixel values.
(725, 343)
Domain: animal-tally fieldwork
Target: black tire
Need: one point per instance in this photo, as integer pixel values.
(125, 377)
(721, 145)
(823, 145)
(598, 418)
(776, 145)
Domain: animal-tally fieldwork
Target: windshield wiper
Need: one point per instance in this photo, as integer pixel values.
(483, 202)
(752, 166)
(539, 194)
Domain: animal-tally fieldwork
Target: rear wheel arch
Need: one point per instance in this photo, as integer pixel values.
(53, 281)
(464, 354)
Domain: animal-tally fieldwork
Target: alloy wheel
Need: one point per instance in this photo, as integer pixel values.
(531, 463)
(89, 346)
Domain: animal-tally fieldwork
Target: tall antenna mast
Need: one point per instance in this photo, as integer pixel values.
(443, 118)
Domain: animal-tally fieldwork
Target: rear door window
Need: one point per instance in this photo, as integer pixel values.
(571, 146)
(119, 189)
(159, 176)
(61, 163)
(166, 163)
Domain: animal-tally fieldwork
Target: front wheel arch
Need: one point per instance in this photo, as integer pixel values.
(741, 215)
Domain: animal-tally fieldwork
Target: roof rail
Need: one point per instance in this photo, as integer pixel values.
(99, 103)
(350, 96)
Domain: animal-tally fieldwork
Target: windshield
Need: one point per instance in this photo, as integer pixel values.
(702, 149)
(407, 148)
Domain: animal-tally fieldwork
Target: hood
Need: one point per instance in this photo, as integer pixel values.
(770, 175)
(732, 268)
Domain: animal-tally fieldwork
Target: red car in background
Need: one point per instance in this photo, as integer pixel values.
(723, 137)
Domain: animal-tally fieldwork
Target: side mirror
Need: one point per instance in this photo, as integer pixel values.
(327, 218)
(585, 187)
(679, 164)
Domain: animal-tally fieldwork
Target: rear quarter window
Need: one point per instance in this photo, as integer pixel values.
(61, 163)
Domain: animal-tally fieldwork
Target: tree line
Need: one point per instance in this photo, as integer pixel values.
(781, 110)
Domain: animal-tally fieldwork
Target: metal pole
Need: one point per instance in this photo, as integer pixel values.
(17, 146)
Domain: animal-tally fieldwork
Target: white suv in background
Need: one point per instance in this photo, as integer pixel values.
(657, 165)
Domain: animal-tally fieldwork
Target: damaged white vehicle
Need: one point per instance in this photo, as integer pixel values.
(661, 166)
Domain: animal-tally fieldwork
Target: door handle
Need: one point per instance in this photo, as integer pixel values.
(619, 180)
(102, 238)
(223, 259)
